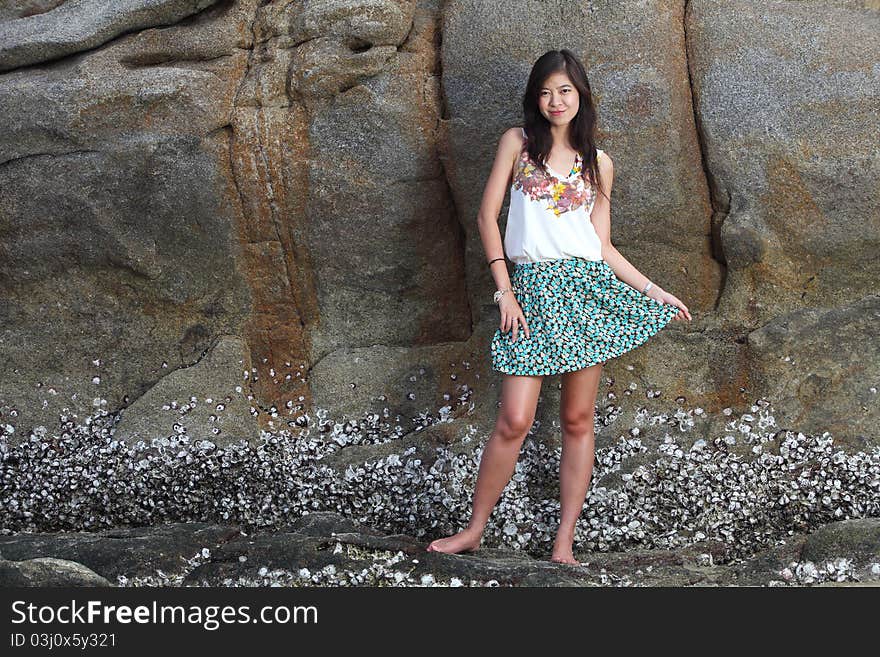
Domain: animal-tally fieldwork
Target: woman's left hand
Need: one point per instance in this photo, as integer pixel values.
(663, 296)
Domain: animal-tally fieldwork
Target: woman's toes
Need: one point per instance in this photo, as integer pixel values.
(454, 544)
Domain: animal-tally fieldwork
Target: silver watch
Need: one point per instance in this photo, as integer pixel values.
(500, 293)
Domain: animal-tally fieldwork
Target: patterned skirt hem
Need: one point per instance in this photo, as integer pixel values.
(613, 353)
(579, 314)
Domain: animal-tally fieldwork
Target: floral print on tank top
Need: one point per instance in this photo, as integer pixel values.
(560, 194)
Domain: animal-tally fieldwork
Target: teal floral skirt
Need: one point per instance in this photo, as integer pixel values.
(579, 314)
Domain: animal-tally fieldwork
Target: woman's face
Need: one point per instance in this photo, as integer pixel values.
(558, 99)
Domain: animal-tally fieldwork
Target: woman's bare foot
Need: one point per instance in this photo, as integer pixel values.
(565, 558)
(466, 540)
(562, 551)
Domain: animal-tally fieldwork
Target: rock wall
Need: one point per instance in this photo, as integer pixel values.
(271, 204)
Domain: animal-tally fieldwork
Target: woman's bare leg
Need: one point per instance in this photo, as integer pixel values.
(577, 406)
(519, 398)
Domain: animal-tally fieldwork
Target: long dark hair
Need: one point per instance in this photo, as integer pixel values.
(582, 131)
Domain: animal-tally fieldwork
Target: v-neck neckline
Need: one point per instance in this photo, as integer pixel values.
(571, 173)
(577, 158)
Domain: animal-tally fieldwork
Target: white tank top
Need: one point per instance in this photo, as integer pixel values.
(549, 216)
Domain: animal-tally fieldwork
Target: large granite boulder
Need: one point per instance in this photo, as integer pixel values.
(290, 189)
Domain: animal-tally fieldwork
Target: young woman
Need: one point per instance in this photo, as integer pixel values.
(575, 301)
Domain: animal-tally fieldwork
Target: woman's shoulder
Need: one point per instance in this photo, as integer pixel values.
(606, 164)
(512, 141)
(515, 134)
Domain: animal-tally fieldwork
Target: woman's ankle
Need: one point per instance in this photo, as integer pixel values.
(565, 536)
(475, 530)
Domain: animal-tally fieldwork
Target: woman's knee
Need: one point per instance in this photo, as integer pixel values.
(514, 426)
(577, 424)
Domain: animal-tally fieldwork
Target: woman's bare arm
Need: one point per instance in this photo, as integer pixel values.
(623, 269)
(509, 148)
(601, 218)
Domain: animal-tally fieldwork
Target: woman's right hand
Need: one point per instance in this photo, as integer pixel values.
(512, 316)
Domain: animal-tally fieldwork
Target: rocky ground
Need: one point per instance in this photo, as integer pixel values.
(325, 549)
(680, 499)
